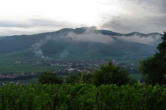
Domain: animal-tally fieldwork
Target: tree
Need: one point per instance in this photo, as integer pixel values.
(73, 78)
(86, 78)
(49, 78)
(110, 74)
(79, 78)
(154, 68)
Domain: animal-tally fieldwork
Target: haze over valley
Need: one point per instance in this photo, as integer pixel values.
(68, 50)
(77, 35)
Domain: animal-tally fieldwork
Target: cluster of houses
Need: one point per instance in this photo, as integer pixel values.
(62, 68)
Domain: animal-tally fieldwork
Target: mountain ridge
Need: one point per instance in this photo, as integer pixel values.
(80, 44)
(75, 29)
(18, 42)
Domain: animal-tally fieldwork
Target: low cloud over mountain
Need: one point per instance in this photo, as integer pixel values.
(81, 43)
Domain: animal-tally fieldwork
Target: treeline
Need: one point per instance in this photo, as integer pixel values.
(82, 97)
(106, 74)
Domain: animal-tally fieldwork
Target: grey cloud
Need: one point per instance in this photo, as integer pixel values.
(140, 39)
(31, 26)
(90, 36)
(44, 22)
(159, 5)
(146, 25)
(33, 23)
(12, 24)
(150, 16)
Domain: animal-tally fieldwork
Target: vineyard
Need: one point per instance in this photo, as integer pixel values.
(82, 97)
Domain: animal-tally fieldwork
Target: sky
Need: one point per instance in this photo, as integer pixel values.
(36, 16)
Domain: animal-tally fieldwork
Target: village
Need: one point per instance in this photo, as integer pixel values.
(61, 68)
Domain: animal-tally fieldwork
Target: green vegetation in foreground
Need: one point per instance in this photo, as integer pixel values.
(82, 97)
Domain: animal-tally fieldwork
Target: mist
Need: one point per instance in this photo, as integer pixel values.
(91, 35)
(36, 48)
(149, 40)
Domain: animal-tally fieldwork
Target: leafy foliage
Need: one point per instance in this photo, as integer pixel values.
(154, 67)
(49, 78)
(74, 78)
(82, 97)
(110, 74)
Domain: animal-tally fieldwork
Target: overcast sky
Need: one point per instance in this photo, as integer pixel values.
(34, 16)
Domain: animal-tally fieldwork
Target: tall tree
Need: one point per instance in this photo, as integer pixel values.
(154, 68)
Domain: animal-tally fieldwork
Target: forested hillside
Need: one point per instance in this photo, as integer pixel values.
(35, 53)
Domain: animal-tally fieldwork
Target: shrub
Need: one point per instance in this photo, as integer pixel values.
(49, 78)
(110, 74)
(82, 97)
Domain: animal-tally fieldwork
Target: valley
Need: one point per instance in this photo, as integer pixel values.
(73, 50)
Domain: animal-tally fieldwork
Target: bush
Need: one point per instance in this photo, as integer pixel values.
(110, 74)
(82, 97)
(49, 78)
(75, 78)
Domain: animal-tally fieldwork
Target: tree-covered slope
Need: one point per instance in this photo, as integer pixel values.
(83, 41)
(80, 44)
